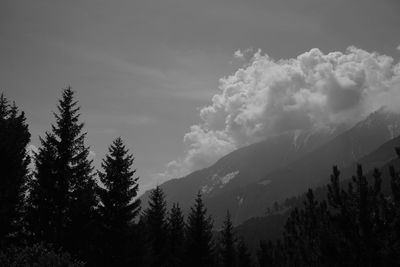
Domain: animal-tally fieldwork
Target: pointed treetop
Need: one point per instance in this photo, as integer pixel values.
(4, 106)
(118, 204)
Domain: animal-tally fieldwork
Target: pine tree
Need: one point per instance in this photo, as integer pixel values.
(63, 198)
(199, 245)
(243, 256)
(265, 254)
(118, 208)
(392, 215)
(47, 214)
(14, 161)
(137, 243)
(228, 252)
(155, 218)
(306, 232)
(176, 236)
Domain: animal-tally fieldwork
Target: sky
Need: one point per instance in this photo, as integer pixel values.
(159, 73)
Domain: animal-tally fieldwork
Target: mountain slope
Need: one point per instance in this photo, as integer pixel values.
(270, 227)
(243, 166)
(311, 170)
(250, 179)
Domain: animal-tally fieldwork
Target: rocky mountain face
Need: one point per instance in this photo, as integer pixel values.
(250, 179)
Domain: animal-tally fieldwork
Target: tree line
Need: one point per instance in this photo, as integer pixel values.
(357, 224)
(65, 213)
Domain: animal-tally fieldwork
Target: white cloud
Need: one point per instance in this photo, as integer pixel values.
(238, 54)
(247, 53)
(398, 47)
(267, 97)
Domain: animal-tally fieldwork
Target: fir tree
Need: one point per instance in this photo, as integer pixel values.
(47, 214)
(199, 245)
(228, 252)
(360, 227)
(392, 215)
(156, 221)
(243, 256)
(118, 208)
(176, 236)
(304, 233)
(63, 198)
(14, 161)
(265, 254)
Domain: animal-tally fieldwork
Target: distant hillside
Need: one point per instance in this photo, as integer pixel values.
(243, 166)
(314, 168)
(270, 227)
(250, 179)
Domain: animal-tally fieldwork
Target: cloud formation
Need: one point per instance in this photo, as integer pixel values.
(267, 97)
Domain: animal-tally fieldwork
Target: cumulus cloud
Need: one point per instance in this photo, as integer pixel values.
(267, 97)
(242, 55)
(238, 54)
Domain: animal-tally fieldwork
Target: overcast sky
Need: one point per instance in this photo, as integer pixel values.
(144, 69)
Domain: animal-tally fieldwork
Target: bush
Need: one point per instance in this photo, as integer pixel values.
(37, 255)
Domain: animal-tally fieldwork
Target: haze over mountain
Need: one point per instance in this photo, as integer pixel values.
(250, 179)
(268, 97)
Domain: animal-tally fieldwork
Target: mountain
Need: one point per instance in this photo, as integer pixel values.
(243, 166)
(252, 178)
(270, 227)
(311, 170)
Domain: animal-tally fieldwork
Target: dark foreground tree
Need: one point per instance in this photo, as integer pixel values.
(357, 226)
(228, 253)
(37, 255)
(176, 236)
(244, 258)
(155, 219)
(199, 245)
(62, 194)
(118, 207)
(14, 161)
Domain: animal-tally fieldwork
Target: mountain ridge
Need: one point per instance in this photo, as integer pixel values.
(251, 178)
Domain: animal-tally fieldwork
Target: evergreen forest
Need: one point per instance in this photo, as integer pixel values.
(57, 209)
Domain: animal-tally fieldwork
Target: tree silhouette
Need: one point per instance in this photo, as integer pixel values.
(356, 226)
(266, 255)
(47, 196)
(62, 195)
(243, 256)
(199, 245)
(155, 218)
(118, 208)
(176, 236)
(228, 252)
(14, 161)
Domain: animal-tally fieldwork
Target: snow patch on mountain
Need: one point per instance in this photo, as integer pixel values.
(240, 200)
(265, 182)
(394, 130)
(227, 178)
(296, 135)
(218, 181)
(206, 189)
